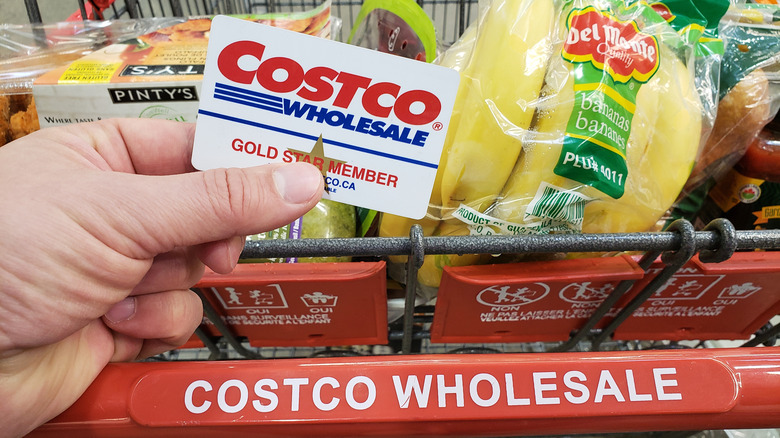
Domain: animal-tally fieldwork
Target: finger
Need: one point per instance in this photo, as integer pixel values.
(177, 269)
(161, 213)
(221, 256)
(153, 347)
(143, 146)
(128, 348)
(170, 317)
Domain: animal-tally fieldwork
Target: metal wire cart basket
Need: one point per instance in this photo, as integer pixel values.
(639, 342)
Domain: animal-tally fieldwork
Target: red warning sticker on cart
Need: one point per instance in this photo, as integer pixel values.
(727, 300)
(373, 123)
(525, 302)
(381, 390)
(301, 304)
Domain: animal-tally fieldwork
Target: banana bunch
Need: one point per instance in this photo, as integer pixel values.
(390, 225)
(662, 147)
(512, 45)
(502, 84)
(513, 114)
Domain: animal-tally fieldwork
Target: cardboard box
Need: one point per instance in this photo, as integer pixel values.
(157, 75)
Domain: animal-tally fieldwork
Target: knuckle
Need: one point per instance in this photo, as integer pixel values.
(230, 192)
(186, 272)
(188, 313)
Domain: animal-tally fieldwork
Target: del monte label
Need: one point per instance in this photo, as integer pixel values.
(614, 46)
(594, 148)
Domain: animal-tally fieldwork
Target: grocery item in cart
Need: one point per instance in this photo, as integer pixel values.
(28, 51)
(613, 137)
(749, 194)
(18, 116)
(742, 113)
(155, 75)
(582, 117)
(328, 219)
(150, 76)
(749, 96)
(398, 27)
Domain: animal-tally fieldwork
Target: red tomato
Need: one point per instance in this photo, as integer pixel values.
(762, 159)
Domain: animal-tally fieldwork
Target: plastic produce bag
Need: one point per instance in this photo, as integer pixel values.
(749, 97)
(327, 219)
(398, 27)
(575, 116)
(27, 51)
(316, 21)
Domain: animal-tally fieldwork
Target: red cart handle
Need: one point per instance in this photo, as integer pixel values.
(424, 395)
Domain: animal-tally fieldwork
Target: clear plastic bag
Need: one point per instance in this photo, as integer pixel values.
(328, 219)
(748, 99)
(398, 27)
(572, 116)
(28, 51)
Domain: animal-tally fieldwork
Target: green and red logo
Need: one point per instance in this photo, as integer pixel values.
(749, 193)
(614, 46)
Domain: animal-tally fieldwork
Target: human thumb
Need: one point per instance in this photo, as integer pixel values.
(213, 205)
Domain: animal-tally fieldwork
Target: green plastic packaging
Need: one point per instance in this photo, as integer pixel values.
(398, 27)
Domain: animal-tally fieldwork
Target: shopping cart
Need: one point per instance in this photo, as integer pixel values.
(470, 389)
(424, 378)
(450, 16)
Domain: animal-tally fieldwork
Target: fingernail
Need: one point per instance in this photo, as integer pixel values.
(297, 182)
(234, 248)
(121, 311)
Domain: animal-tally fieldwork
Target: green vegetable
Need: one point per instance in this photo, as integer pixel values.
(327, 219)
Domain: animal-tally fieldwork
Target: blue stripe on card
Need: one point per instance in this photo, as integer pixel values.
(314, 138)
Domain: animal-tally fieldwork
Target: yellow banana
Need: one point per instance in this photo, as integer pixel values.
(499, 88)
(661, 148)
(456, 57)
(502, 83)
(429, 275)
(542, 144)
(658, 168)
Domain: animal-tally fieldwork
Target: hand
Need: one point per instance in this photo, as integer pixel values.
(104, 227)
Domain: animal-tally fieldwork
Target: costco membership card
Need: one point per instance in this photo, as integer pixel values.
(373, 123)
